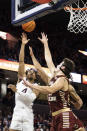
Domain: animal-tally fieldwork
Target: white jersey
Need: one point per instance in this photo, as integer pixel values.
(24, 96)
(23, 114)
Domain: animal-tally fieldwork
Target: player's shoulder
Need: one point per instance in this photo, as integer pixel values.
(71, 88)
(20, 80)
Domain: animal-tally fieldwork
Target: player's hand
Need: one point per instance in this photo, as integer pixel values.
(24, 38)
(26, 83)
(12, 87)
(31, 51)
(75, 104)
(44, 38)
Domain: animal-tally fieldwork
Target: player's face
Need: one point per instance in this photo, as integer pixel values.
(31, 74)
(58, 66)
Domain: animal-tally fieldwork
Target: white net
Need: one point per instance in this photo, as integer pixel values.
(78, 17)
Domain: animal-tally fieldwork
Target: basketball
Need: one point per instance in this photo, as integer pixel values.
(41, 1)
(29, 26)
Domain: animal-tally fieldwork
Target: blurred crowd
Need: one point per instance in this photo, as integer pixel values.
(41, 122)
(60, 47)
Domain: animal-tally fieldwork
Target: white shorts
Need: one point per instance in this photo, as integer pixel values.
(22, 120)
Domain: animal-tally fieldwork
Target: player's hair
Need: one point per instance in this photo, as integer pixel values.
(38, 78)
(69, 66)
(30, 70)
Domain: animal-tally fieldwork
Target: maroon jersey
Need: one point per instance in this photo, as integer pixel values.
(58, 100)
(65, 121)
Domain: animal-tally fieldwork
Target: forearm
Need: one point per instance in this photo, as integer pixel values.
(21, 55)
(76, 98)
(48, 58)
(41, 89)
(58, 85)
(80, 102)
(40, 70)
(35, 62)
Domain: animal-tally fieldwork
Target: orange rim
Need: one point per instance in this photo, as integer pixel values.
(69, 8)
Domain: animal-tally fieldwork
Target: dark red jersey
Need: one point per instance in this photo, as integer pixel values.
(64, 121)
(58, 100)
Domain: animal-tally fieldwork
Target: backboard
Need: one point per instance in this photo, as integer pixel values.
(23, 11)
(26, 10)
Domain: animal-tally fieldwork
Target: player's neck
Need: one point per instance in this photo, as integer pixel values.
(31, 80)
(60, 73)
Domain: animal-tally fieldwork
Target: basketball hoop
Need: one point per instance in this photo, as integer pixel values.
(78, 17)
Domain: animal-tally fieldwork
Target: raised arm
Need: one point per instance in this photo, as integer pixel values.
(37, 65)
(77, 101)
(21, 70)
(48, 56)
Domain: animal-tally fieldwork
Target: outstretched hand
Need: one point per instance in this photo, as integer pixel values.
(26, 83)
(24, 38)
(44, 38)
(12, 87)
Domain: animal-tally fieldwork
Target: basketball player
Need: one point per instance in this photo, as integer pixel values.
(59, 92)
(22, 119)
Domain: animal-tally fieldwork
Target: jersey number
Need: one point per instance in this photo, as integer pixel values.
(52, 98)
(25, 90)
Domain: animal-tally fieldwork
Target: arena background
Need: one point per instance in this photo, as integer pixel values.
(62, 44)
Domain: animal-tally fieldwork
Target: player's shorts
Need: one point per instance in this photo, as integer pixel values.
(66, 121)
(22, 120)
